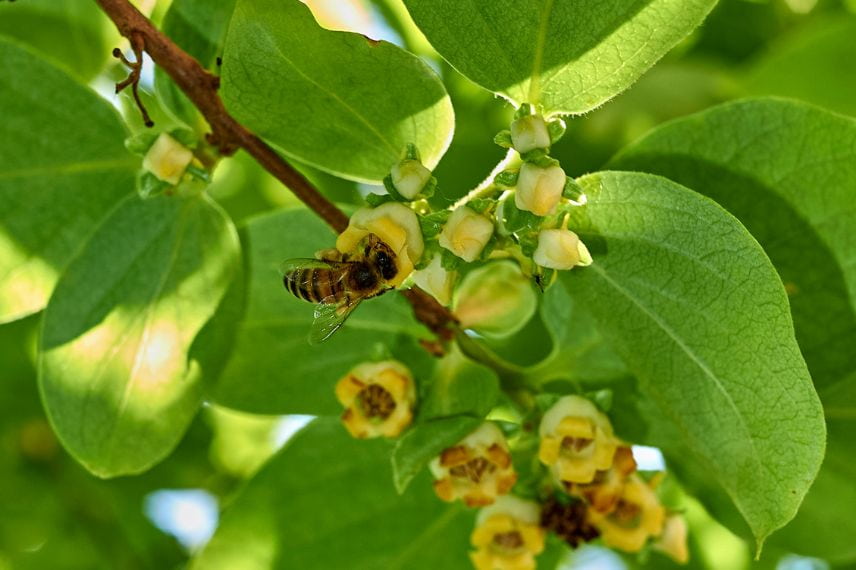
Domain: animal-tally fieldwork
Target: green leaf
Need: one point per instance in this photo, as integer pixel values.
(76, 34)
(697, 312)
(273, 370)
(114, 371)
(63, 165)
(816, 64)
(335, 100)
(460, 386)
(326, 502)
(424, 441)
(788, 171)
(569, 57)
(199, 28)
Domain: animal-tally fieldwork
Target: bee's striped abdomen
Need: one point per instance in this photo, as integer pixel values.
(314, 284)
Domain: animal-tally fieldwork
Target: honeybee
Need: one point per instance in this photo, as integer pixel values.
(339, 282)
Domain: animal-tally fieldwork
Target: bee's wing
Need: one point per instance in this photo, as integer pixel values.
(330, 316)
(291, 265)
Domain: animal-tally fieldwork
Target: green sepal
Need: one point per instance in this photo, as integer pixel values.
(432, 224)
(481, 205)
(545, 401)
(450, 261)
(411, 152)
(514, 219)
(375, 200)
(428, 190)
(149, 185)
(140, 144)
(546, 278)
(539, 157)
(432, 250)
(603, 399)
(572, 190)
(199, 173)
(507, 178)
(186, 137)
(528, 242)
(489, 247)
(556, 128)
(524, 110)
(503, 139)
(390, 188)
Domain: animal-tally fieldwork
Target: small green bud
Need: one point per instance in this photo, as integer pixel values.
(495, 300)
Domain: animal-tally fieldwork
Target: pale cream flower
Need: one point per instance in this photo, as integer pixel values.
(466, 233)
(637, 516)
(576, 440)
(436, 281)
(167, 159)
(673, 540)
(528, 133)
(477, 470)
(396, 225)
(409, 177)
(508, 535)
(561, 249)
(539, 189)
(379, 397)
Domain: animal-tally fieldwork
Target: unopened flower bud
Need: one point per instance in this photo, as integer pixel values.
(466, 233)
(576, 440)
(378, 397)
(409, 177)
(529, 132)
(167, 159)
(476, 470)
(637, 516)
(561, 249)
(508, 535)
(495, 300)
(539, 189)
(436, 280)
(673, 540)
(396, 225)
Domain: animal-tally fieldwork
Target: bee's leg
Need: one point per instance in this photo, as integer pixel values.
(329, 254)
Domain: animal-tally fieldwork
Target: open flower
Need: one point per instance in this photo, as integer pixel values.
(507, 535)
(673, 540)
(167, 159)
(560, 249)
(436, 281)
(539, 189)
(605, 489)
(379, 397)
(477, 470)
(637, 516)
(576, 440)
(466, 233)
(396, 225)
(528, 133)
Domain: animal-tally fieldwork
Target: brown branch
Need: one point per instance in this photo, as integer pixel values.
(228, 135)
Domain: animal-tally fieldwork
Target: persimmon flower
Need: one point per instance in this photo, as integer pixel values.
(637, 516)
(528, 133)
(378, 397)
(167, 159)
(561, 249)
(477, 470)
(604, 491)
(576, 440)
(507, 535)
(396, 225)
(466, 233)
(539, 189)
(673, 540)
(409, 177)
(436, 281)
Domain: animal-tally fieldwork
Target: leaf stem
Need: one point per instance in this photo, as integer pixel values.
(487, 187)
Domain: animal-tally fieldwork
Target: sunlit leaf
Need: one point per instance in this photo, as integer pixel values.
(114, 372)
(324, 97)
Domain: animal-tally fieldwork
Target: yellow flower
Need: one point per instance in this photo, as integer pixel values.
(436, 281)
(466, 233)
(539, 189)
(396, 225)
(603, 492)
(477, 470)
(576, 440)
(673, 541)
(636, 516)
(379, 398)
(561, 249)
(528, 133)
(167, 159)
(508, 535)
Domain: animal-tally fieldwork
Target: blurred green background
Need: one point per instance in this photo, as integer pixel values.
(54, 515)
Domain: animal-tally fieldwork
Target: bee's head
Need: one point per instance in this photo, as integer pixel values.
(381, 256)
